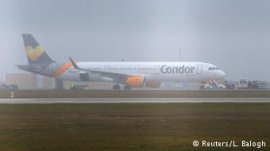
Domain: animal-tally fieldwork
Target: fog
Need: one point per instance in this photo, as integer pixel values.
(234, 35)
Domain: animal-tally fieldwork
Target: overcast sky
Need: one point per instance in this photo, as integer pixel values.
(232, 34)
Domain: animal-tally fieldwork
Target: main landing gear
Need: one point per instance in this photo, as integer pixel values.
(118, 87)
(127, 87)
(59, 84)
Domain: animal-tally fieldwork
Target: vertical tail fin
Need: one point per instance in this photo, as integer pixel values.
(35, 53)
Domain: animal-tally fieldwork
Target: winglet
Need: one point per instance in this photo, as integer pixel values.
(74, 64)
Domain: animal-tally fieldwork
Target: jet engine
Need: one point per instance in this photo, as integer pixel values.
(135, 81)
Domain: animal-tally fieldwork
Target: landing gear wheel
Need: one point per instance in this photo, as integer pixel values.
(127, 87)
(59, 84)
(116, 87)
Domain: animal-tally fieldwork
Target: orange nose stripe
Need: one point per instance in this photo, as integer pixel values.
(62, 70)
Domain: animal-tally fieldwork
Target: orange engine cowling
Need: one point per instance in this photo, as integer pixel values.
(152, 84)
(135, 81)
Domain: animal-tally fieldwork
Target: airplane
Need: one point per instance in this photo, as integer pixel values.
(126, 75)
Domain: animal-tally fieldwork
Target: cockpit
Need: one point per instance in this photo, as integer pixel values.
(213, 72)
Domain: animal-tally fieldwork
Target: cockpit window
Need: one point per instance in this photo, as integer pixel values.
(213, 68)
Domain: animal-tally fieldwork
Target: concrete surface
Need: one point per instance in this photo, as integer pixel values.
(130, 100)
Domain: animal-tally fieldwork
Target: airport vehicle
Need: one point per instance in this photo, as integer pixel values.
(215, 86)
(257, 84)
(262, 84)
(126, 74)
(230, 84)
(212, 85)
(243, 84)
(12, 87)
(77, 87)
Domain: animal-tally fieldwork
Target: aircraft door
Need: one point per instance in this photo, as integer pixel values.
(157, 69)
(199, 69)
(52, 67)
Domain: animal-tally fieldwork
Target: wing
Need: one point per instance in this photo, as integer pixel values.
(116, 76)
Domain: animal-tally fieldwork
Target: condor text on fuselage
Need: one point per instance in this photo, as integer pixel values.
(165, 69)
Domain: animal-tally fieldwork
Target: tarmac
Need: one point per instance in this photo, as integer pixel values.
(129, 100)
(136, 94)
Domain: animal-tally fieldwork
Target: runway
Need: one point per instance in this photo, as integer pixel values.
(130, 100)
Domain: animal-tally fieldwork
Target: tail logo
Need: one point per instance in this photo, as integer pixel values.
(34, 53)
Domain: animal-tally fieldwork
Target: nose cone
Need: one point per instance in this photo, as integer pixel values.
(221, 74)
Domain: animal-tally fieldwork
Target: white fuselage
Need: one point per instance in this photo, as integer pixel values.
(158, 71)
